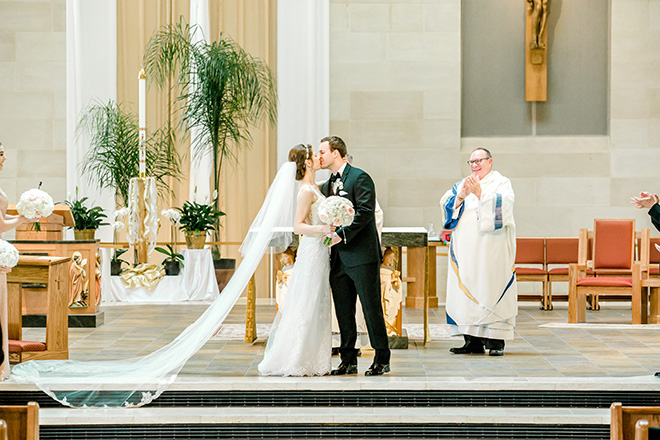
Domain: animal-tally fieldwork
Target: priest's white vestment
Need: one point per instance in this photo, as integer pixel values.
(482, 295)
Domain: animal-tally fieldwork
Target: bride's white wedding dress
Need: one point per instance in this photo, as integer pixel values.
(300, 341)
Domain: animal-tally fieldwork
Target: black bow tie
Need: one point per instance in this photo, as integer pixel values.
(334, 178)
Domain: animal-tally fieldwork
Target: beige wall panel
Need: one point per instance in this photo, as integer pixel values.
(59, 15)
(630, 15)
(636, 163)
(40, 75)
(7, 47)
(387, 105)
(373, 161)
(654, 133)
(366, 17)
(422, 164)
(346, 77)
(357, 47)
(441, 134)
(412, 193)
(441, 104)
(8, 75)
(563, 192)
(409, 46)
(426, 76)
(40, 46)
(525, 191)
(26, 105)
(386, 133)
(49, 165)
(28, 135)
(631, 104)
(26, 17)
(406, 17)
(339, 17)
(443, 16)
(629, 133)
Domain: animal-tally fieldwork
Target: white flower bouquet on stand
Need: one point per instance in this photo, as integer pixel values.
(35, 203)
(8, 254)
(336, 211)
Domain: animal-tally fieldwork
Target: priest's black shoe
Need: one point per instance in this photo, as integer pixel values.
(468, 349)
(377, 369)
(344, 369)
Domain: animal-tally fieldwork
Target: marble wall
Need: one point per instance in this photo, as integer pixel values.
(32, 96)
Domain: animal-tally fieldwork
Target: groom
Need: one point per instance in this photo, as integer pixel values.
(355, 260)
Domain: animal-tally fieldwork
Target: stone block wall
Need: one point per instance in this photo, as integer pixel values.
(32, 96)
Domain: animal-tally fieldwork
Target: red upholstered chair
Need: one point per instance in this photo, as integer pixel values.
(615, 270)
(654, 257)
(559, 253)
(530, 264)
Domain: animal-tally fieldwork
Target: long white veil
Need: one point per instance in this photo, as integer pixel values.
(138, 381)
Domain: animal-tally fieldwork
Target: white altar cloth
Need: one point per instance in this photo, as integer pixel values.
(195, 282)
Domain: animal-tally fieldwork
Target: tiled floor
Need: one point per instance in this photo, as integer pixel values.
(536, 352)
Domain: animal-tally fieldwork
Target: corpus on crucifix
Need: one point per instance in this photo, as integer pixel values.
(536, 44)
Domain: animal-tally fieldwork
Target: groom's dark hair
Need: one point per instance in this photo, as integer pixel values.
(336, 143)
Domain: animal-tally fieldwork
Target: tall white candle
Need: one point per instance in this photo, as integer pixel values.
(142, 120)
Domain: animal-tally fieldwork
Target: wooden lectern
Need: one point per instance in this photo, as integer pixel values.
(50, 242)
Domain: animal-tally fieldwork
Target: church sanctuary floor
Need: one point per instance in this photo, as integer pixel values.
(544, 347)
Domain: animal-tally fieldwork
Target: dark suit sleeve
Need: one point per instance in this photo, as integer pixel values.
(654, 212)
(364, 192)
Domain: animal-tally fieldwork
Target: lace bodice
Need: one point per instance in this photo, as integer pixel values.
(314, 214)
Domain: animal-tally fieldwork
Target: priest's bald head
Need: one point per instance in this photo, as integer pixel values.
(481, 162)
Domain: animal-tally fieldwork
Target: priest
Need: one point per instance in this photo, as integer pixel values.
(482, 293)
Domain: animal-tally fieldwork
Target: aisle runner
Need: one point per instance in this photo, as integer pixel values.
(236, 332)
(601, 326)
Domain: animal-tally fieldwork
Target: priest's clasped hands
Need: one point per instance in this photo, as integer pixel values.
(471, 185)
(645, 200)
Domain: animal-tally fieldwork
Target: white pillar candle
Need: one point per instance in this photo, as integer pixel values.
(142, 121)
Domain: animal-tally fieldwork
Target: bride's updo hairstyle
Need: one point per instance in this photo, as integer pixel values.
(299, 154)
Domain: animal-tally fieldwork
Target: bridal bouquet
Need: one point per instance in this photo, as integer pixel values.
(336, 211)
(34, 203)
(8, 254)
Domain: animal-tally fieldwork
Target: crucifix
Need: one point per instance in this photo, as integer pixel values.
(536, 50)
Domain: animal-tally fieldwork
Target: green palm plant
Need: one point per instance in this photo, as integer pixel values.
(223, 90)
(113, 158)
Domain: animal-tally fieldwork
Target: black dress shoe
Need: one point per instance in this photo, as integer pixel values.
(468, 349)
(344, 369)
(335, 351)
(377, 369)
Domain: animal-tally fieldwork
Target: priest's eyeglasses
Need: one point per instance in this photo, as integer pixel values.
(476, 161)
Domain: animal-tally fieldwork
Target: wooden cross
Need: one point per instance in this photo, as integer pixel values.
(536, 50)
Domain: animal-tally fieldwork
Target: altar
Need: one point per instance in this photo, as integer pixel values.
(195, 282)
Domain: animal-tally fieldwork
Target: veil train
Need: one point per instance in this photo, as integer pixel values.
(106, 383)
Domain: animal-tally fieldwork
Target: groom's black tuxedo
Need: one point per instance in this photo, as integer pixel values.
(355, 267)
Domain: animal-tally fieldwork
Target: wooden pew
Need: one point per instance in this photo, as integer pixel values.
(624, 419)
(22, 421)
(54, 272)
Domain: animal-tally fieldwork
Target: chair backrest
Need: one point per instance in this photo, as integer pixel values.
(654, 255)
(22, 421)
(530, 251)
(614, 244)
(3, 430)
(561, 250)
(624, 419)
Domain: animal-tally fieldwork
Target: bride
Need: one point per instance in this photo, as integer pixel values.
(138, 381)
(300, 341)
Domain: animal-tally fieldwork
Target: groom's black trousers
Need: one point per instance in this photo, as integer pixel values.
(347, 284)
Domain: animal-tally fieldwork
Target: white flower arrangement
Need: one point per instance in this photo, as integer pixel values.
(336, 211)
(172, 215)
(34, 203)
(118, 226)
(121, 213)
(8, 254)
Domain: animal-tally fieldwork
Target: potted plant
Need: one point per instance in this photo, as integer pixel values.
(196, 220)
(174, 261)
(113, 157)
(86, 220)
(224, 91)
(116, 262)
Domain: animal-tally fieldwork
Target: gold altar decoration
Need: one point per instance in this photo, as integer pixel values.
(142, 217)
(143, 275)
